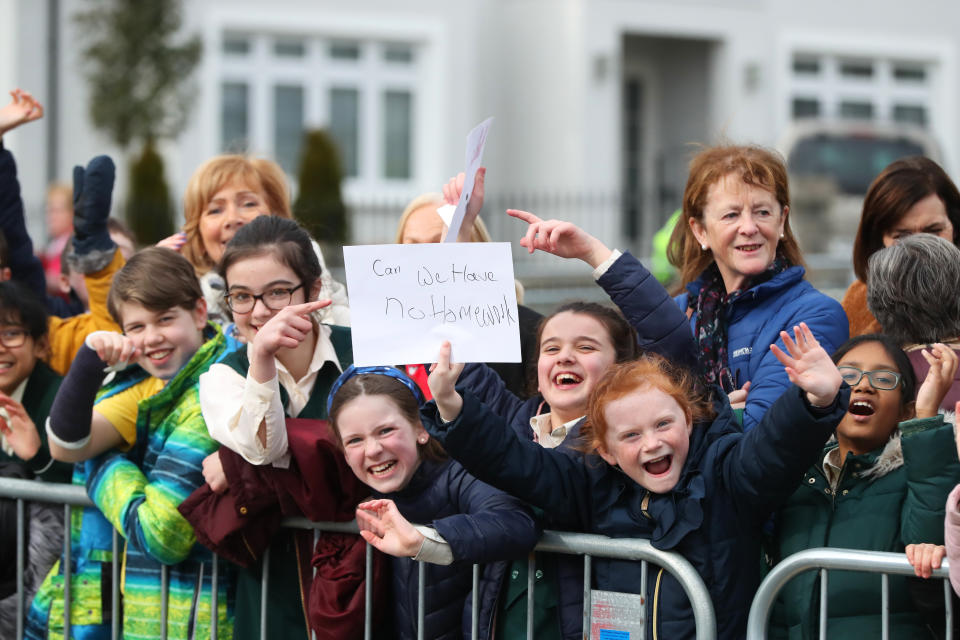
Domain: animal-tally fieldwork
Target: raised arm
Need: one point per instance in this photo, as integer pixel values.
(929, 453)
(486, 446)
(767, 464)
(827, 323)
(24, 265)
(75, 429)
(661, 326)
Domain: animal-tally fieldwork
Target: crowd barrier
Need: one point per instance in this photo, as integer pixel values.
(589, 546)
(825, 560)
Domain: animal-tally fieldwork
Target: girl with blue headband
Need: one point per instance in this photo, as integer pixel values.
(375, 415)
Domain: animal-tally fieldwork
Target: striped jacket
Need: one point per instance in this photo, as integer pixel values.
(138, 492)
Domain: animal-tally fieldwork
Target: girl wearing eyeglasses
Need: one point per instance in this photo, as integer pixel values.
(880, 486)
(272, 279)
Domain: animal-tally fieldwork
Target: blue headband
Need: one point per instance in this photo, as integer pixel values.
(390, 372)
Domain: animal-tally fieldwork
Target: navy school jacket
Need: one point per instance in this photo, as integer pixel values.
(730, 485)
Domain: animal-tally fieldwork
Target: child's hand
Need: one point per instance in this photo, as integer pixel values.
(22, 108)
(382, 525)
(175, 242)
(113, 348)
(287, 329)
(451, 193)
(808, 366)
(443, 381)
(18, 428)
(563, 239)
(956, 432)
(943, 366)
(213, 472)
(738, 397)
(925, 558)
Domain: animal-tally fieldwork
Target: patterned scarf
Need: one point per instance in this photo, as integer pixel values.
(711, 306)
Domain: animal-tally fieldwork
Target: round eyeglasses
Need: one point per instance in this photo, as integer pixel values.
(13, 338)
(274, 299)
(879, 379)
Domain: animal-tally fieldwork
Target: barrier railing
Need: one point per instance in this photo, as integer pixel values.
(825, 560)
(587, 545)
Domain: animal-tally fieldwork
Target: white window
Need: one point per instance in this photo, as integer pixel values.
(863, 88)
(362, 91)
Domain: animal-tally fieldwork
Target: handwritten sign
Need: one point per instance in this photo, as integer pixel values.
(406, 299)
(476, 140)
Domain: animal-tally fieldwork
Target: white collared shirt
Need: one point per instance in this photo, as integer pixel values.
(542, 433)
(234, 405)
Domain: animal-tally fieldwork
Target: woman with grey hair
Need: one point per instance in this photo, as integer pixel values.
(913, 290)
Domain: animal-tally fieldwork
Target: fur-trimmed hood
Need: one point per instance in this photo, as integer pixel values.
(891, 458)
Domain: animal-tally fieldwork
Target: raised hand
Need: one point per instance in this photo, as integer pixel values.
(563, 239)
(18, 428)
(113, 348)
(22, 108)
(92, 193)
(287, 329)
(808, 366)
(442, 382)
(943, 366)
(451, 194)
(925, 558)
(175, 242)
(382, 525)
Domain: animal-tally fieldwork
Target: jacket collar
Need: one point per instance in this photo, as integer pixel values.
(785, 278)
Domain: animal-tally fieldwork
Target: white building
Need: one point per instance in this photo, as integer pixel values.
(601, 97)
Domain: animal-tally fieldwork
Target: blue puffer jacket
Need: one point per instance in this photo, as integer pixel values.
(755, 321)
(481, 524)
(730, 484)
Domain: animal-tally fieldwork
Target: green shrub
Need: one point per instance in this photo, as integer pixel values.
(319, 206)
(149, 213)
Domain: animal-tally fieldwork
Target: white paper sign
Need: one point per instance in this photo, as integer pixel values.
(406, 299)
(476, 140)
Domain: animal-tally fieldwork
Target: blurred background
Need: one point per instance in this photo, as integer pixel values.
(598, 105)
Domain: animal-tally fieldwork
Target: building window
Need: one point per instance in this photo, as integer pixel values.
(397, 138)
(856, 69)
(808, 66)
(910, 113)
(344, 51)
(806, 108)
(364, 92)
(289, 48)
(236, 45)
(345, 127)
(854, 110)
(874, 89)
(234, 117)
(288, 126)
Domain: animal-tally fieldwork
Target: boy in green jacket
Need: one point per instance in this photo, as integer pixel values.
(148, 427)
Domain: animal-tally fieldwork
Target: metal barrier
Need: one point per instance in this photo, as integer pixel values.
(826, 559)
(587, 545)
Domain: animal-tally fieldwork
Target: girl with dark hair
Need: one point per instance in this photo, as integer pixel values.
(881, 486)
(577, 345)
(290, 361)
(911, 195)
(374, 412)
